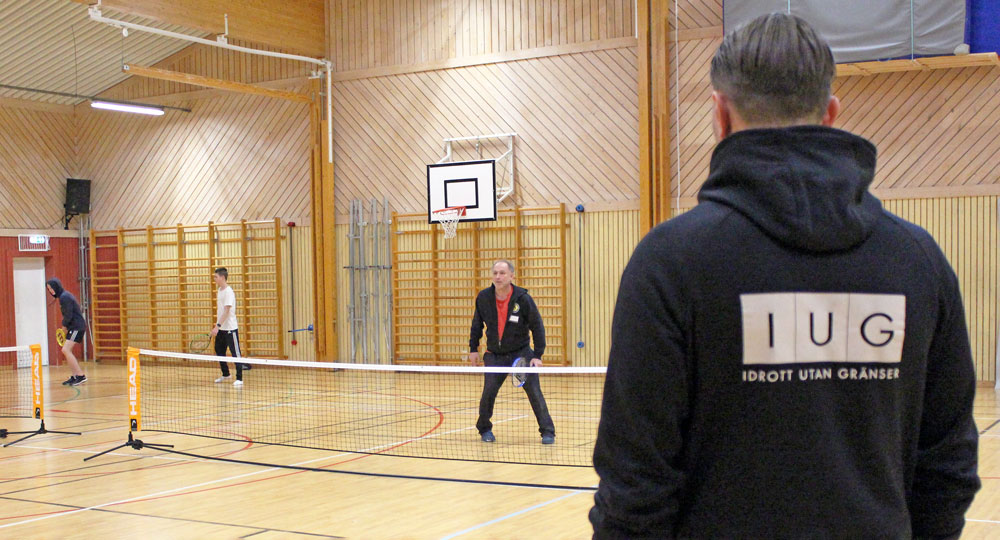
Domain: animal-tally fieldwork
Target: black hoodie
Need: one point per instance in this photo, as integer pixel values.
(788, 360)
(523, 316)
(72, 315)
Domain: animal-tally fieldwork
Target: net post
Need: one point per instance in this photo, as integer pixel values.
(37, 384)
(134, 408)
(134, 391)
(38, 400)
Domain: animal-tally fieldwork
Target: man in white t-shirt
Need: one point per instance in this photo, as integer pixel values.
(225, 330)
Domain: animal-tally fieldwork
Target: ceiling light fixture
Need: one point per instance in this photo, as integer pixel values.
(126, 107)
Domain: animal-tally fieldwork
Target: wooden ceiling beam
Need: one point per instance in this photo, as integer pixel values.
(291, 26)
(198, 80)
(918, 64)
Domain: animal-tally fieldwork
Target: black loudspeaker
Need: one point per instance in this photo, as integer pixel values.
(77, 196)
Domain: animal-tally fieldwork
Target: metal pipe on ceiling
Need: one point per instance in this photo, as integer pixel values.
(95, 15)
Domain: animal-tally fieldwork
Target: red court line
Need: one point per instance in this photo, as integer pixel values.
(41, 514)
(362, 456)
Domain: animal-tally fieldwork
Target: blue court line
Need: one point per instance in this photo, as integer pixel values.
(508, 516)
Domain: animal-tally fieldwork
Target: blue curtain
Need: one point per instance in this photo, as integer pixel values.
(982, 25)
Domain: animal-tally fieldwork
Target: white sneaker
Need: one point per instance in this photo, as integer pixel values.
(222, 379)
(237, 383)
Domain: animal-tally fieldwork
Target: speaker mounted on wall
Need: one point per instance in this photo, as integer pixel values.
(77, 199)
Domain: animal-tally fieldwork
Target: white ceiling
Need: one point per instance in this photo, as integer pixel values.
(53, 45)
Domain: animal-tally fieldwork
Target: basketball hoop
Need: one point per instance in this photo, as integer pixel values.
(448, 218)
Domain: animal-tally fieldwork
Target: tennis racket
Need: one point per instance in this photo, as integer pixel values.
(200, 343)
(60, 337)
(519, 378)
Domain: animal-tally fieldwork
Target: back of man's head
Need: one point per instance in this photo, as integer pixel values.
(776, 71)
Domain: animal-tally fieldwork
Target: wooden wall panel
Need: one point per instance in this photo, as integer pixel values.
(932, 128)
(435, 281)
(695, 14)
(966, 228)
(296, 26)
(298, 293)
(37, 154)
(575, 115)
(231, 158)
(608, 239)
(377, 33)
(178, 326)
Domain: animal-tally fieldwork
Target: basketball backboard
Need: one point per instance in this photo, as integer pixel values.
(471, 184)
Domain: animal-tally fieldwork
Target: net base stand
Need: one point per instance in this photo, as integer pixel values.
(134, 443)
(40, 431)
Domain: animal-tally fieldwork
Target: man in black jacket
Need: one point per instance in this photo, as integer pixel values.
(788, 359)
(73, 324)
(509, 313)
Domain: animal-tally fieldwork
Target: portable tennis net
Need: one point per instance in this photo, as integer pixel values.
(411, 411)
(15, 382)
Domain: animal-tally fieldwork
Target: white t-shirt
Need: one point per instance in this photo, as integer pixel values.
(226, 297)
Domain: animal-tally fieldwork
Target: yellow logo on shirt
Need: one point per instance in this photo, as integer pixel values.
(517, 307)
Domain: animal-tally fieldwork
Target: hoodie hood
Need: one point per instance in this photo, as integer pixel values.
(805, 186)
(57, 288)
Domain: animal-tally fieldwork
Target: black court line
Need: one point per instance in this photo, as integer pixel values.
(384, 475)
(170, 518)
(991, 426)
(85, 467)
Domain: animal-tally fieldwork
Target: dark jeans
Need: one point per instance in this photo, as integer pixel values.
(230, 340)
(492, 384)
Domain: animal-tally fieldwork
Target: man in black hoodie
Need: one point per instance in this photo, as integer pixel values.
(788, 359)
(73, 324)
(509, 313)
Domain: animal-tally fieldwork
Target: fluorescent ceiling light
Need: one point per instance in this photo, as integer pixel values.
(126, 107)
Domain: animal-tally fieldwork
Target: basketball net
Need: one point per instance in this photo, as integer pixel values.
(448, 218)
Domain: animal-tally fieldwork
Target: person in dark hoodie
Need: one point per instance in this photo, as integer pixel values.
(788, 359)
(509, 313)
(73, 324)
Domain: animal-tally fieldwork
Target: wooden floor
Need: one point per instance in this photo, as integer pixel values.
(47, 491)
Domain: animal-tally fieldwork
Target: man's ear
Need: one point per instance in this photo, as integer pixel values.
(722, 122)
(832, 111)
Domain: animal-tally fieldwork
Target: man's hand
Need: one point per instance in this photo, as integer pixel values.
(64, 329)
(536, 362)
(215, 330)
(474, 358)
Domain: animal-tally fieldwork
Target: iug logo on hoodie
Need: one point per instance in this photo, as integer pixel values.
(803, 328)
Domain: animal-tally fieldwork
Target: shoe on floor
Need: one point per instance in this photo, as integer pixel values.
(548, 439)
(488, 437)
(223, 378)
(71, 381)
(77, 380)
(237, 383)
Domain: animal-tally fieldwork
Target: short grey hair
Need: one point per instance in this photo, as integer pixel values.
(775, 70)
(510, 265)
